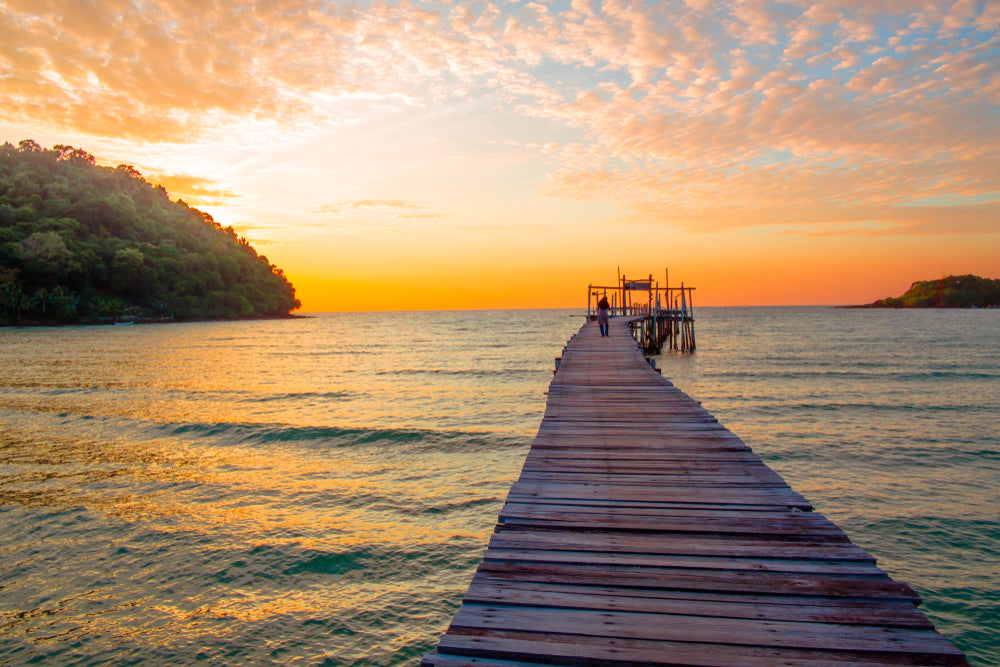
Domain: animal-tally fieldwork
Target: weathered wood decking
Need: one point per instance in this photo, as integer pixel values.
(642, 532)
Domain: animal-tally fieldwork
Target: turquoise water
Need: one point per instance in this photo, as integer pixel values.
(319, 491)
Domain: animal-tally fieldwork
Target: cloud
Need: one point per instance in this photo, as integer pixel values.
(195, 190)
(803, 141)
(369, 215)
(973, 219)
(162, 71)
(809, 110)
(395, 208)
(772, 196)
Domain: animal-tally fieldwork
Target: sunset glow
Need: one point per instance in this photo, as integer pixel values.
(424, 155)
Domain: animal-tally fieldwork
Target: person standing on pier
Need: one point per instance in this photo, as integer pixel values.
(602, 315)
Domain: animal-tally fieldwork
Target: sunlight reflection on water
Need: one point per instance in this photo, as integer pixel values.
(302, 490)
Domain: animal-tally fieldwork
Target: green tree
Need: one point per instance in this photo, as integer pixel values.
(82, 241)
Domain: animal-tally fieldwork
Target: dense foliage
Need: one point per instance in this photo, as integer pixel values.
(83, 243)
(952, 292)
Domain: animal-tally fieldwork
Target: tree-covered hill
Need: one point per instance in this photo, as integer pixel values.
(83, 243)
(951, 292)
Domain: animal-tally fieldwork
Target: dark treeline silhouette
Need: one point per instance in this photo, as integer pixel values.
(967, 291)
(83, 243)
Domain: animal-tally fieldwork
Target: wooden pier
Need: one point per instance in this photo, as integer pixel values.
(642, 532)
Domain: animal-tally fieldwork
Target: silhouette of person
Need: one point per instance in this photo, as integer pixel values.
(602, 315)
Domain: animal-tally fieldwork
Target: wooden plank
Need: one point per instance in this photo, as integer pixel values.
(609, 589)
(715, 494)
(819, 610)
(698, 459)
(674, 578)
(555, 649)
(701, 562)
(678, 545)
(644, 477)
(679, 628)
(552, 509)
(650, 523)
(434, 660)
(611, 504)
(713, 513)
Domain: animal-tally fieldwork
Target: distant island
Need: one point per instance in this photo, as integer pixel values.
(967, 291)
(81, 243)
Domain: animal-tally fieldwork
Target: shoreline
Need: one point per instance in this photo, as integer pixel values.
(873, 306)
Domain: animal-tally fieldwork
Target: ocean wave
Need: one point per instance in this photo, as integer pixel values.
(47, 390)
(921, 542)
(24, 421)
(263, 434)
(240, 601)
(329, 436)
(850, 407)
(507, 373)
(884, 374)
(301, 395)
(458, 505)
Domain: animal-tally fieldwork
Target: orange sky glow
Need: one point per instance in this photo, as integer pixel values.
(430, 155)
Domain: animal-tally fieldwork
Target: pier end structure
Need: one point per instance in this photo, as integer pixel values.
(658, 317)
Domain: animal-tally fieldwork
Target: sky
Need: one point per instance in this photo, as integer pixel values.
(432, 155)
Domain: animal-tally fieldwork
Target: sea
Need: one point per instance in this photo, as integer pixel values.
(319, 490)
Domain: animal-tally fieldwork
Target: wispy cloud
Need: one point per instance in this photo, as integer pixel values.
(368, 215)
(398, 209)
(195, 190)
